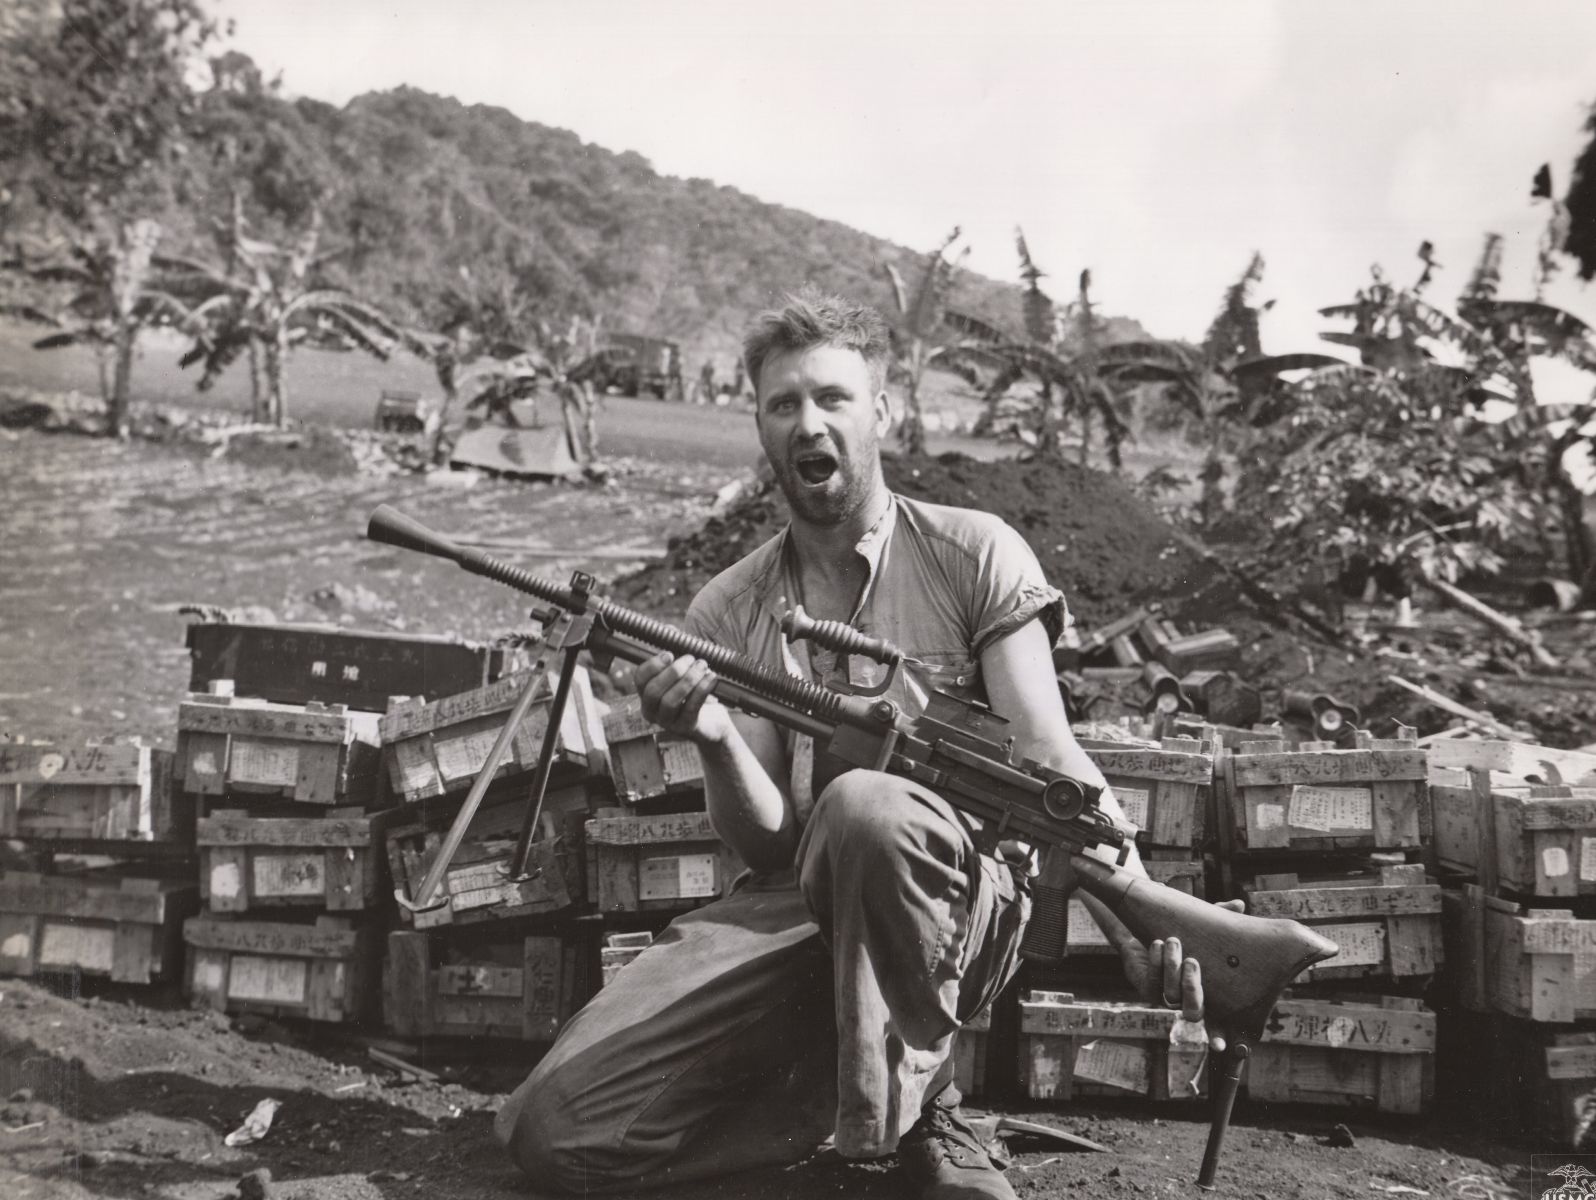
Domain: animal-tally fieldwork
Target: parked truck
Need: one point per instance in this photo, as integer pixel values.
(633, 364)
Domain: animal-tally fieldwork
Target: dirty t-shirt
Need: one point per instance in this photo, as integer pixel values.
(944, 584)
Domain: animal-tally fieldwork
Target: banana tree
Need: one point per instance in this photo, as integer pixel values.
(101, 289)
(279, 301)
(1059, 357)
(479, 346)
(918, 320)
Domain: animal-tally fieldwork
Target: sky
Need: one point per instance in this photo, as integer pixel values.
(1156, 142)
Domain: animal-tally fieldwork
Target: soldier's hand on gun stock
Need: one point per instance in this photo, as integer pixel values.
(675, 692)
(1160, 972)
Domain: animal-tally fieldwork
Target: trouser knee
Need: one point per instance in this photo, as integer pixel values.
(538, 1131)
(875, 817)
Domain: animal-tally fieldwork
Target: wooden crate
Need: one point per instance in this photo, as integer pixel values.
(620, 949)
(1546, 841)
(645, 761)
(1387, 922)
(1539, 963)
(668, 862)
(1548, 1078)
(525, 988)
(315, 754)
(126, 927)
(970, 1054)
(333, 862)
(436, 748)
(1073, 1047)
(477, 886)
(297, 664)
(86, 791)
(1163, 791)
(1535, 840)
(323, 971)
(1082, 935)
(1379, 1056)
(1315, 798)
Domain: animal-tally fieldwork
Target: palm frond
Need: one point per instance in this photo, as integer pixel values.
(968, 326)
(68, 337)
(899, 291)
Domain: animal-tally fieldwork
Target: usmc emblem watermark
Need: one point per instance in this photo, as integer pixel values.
(1563, 1176)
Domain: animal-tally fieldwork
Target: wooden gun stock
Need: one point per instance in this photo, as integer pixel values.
(1247, 961)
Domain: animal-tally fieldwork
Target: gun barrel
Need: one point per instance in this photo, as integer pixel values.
(393, 528)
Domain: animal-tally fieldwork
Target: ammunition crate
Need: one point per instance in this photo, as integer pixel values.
(436, 748)
(1538, 962)
(1387, 924)
(970, 1054)
(645, 761)
(1082, 935)
(1549, 1080)
(1071, 1048)
(298, 664)
(672, 862)
(1379, 1056)
(524, 989)
(1546, 841)
(128, 928)
(333, 862)
(316, 754)
(1164, 792)
(1540, 840)
(1373, 797)
(322, 971)
(477, 886)
(620, 949)
(83, 792)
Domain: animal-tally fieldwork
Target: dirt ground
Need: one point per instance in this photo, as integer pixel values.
(126, 1093)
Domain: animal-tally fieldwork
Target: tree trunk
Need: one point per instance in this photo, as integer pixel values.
(1050, 430)
(1579, 543)
(448, 380)
(589, 422)
(121, 383)
(1086, 435)
(913, 418)
(276, 400)
(255, 413)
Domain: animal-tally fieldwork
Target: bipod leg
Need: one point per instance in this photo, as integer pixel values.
(473, 800)
(1225, 1082)
(540, 780)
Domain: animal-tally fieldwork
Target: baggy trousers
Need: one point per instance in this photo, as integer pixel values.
(818, 1002)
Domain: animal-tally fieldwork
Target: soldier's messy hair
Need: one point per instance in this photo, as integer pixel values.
(812, 318)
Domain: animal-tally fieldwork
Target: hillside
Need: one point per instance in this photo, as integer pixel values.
(421, 185)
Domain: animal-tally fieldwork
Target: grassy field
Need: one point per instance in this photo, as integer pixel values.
(342, 390)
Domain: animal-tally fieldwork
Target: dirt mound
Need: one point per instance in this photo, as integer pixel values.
(1097, 540)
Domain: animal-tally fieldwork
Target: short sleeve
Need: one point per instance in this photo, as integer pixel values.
(1010, 589)
(706, 617)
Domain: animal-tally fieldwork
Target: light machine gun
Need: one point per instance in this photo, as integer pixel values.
(954, 750)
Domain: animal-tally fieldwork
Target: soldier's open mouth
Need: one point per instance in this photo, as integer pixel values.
(815, 467)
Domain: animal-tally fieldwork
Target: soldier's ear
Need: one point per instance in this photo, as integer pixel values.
(883, 407)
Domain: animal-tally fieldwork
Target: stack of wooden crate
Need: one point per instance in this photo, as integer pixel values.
(1516, 833)
(290, 854)
(652, 853)
(1335, 838)
(1096, 1038)
(277, 748)
(109, 850)
(491, 954)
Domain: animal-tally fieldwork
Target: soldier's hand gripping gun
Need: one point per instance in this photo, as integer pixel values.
(955, 749)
